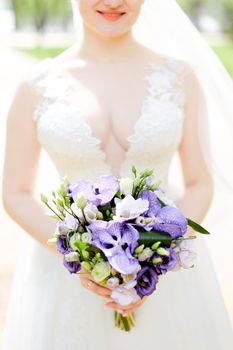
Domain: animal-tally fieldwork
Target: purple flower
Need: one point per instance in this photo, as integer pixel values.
(100, 192)
(72, 266)
(146, 281)
(168, 263)
(154, 204)
(61, 245)
(167, 219)
(118, 241)
(171, 220)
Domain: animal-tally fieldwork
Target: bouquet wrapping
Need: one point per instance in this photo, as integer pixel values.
(125, 232)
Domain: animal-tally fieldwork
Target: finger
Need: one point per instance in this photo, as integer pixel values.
(87, 279)
(97, 289)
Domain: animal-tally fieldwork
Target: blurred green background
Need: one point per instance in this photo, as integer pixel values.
(45, 20)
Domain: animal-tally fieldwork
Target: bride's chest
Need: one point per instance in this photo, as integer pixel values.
(102, 119)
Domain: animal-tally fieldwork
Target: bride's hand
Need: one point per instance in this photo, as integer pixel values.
(90, 284)
(126, 309)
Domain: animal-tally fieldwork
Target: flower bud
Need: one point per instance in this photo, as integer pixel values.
(57, 234)
(134, 170)
(155, 245)
(52, 241)
(139, 249)
(163, 251)
(86, 266)
(156, 260)
(140, 220)
(72, 256)
(145, 254)
(155, 184)
(126, 185)
(81, 200)
(99, 215)
(65, 180)
(44, 199)
(146, 172)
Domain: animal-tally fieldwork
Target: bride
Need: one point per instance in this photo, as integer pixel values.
(104, 104)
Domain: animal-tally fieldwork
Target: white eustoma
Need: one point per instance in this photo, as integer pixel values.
(76, 237)
(124, 296)
(87, 237)
(113, 282)
(72, 256)
(90, 212)
(187, 254)
(130, 208)
(126, 185)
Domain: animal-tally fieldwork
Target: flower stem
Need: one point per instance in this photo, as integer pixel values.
(124, 323)
(54, 212)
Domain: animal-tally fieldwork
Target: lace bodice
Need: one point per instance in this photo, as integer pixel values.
(70, 142)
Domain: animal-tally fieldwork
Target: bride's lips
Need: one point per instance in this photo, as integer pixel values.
(111, 16)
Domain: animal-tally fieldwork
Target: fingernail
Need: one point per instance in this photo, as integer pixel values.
(109, 301)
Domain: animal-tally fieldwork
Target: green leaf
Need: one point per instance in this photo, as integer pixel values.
(150, 237)
(81, 245)
(197, 227)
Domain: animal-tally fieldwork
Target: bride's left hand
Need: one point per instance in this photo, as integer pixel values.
(126, 309)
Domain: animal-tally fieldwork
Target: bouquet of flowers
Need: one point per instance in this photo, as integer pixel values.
(125, 232)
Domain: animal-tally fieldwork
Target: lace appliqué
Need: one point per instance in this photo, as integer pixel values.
(64, 133)
(158, 130)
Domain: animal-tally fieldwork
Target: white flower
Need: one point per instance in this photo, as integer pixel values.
(87, 237)
(113, 282)
(187, 258)
(124, 296)
(76, 237)
(130, 208)
(186, 254)
(126, 185)
(72, 256)
(90, 212)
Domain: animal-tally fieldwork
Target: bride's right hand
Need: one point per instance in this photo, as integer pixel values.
(90, 284)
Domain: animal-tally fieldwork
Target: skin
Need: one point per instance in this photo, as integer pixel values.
(110, 53)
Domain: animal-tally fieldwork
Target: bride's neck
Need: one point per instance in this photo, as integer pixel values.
(102, 49)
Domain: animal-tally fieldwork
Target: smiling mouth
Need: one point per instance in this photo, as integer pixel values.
(112, 14)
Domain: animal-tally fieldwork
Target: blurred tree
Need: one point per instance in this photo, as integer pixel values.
(228, 16)
(224, 10)
(193, 9)
(40, 12)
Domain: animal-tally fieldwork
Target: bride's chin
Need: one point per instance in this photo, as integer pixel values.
(112, 33)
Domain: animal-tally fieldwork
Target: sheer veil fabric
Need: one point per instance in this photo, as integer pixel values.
(163, 27)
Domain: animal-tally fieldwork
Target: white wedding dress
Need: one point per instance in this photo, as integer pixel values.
(49, 309)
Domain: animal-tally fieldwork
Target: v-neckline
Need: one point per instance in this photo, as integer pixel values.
(98, 142)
